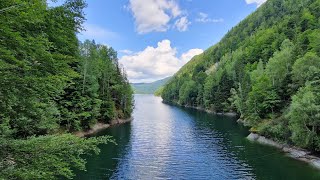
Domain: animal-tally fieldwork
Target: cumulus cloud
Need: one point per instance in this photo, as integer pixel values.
(258, 2)
(155, 63)
(182, 24)
(156, 15)
(186, 57)
(96, 32)
(204, 18)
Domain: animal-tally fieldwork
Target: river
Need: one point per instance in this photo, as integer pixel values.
(168, 142)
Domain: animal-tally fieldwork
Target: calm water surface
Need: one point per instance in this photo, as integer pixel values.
(168, 142)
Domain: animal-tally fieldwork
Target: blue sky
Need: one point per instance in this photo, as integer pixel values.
(154, 38)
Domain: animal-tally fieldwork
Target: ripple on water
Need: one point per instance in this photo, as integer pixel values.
(166, 142)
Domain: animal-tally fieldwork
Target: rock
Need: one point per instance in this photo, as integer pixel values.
(96, 128)
(295, 153)
(101, 126)
(263, 140)
(230, 114)
(253, 137)
(316, 163)
(114, 122)
(286, 149)
(241, 121)
(291, 151)
(209, 111)
(269, 142)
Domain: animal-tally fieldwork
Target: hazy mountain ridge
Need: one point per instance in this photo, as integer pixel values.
(149, 88)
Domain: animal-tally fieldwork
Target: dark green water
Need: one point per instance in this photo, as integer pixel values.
(168, 142)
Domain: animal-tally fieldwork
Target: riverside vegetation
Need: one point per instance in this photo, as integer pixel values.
(267, 69)
(52, 85)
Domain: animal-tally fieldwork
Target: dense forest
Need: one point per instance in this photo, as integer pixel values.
(267, 69)
(52, 85)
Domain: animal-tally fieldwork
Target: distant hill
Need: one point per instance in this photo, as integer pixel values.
(149, 88)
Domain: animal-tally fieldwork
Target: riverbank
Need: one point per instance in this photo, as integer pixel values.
(101, 126)
(230, 114)
(291, 151)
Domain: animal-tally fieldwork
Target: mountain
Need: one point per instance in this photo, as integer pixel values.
(267, 69)
(149, 88)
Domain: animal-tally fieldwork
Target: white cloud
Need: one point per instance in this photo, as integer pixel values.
(186, 57)
(154, 15)
(204, 18)
(98, 33)
(182, 24)
(258, 2)
(155, 63)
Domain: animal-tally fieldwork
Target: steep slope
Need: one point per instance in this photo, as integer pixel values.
(149, 88)
(267, 69)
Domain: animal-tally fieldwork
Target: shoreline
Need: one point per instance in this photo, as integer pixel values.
(230, 114)
(101, 126)
(291, 151)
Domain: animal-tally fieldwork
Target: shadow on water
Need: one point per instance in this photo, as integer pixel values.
(266, 162)
(104, 165)
(168, 142)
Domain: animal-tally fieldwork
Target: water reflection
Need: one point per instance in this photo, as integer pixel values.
(167, 142)
(151, 142)
(105, 164)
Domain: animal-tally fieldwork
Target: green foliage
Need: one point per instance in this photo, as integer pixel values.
(45, 157)
(217, 91)
(101, 92)
(257, 69)
(29, 75)
(188, 93)
(275, 128)
(279, 66)
(50, 83)
(306, 68)
(304, 115)
(262, 99)
(159, 91)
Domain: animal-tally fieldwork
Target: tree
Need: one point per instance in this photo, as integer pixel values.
(258, 65)
(262, 99)
(50, 86)
(304, 116)
(306, 68)
(279, 66)
(188, 93)
(45, 157)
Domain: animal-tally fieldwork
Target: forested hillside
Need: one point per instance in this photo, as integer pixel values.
(149, 88)
(51, 85)
(267, 69)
